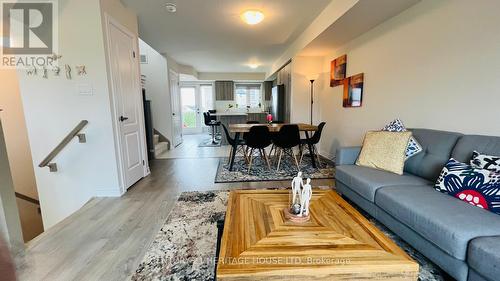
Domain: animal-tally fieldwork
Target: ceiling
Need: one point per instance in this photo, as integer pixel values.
(210, 36)
(358, 20)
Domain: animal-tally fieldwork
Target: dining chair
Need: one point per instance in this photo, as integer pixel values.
(240, 147)
(258, 138)
(246, 134)
(313, 141)
(212, 124)
(285, 140)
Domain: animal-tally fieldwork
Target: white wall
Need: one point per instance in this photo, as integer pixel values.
(157, 89)
(436, 65)
(303, 69)
(53, 107)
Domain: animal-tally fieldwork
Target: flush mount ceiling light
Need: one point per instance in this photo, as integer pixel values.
(171, 7)
(253, 65)
(252, 17)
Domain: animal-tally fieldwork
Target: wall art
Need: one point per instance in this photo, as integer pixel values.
(338, 70)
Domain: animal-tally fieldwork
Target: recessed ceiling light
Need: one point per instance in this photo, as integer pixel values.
(252, 17)
(253, 65)
(171, 7)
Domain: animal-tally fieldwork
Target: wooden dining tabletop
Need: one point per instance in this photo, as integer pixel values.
(245, 128)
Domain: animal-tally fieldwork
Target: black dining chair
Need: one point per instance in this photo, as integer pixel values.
(312, 141)
(258, 138)
(212, 124)
(240, 147)
(285, 140)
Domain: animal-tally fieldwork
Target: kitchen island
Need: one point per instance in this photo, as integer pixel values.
(227, 118)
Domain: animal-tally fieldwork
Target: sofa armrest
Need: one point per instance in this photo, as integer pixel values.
(347, 155)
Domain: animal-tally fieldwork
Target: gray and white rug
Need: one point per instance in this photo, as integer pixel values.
(261, 172)
(209, 143)
(184, 249)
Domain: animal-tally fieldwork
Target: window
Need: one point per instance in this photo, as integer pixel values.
(248, 95)
(207, 97)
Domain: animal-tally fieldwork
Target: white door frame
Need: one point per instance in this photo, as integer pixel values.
(116, 122)
(171, 74)
(199, 121)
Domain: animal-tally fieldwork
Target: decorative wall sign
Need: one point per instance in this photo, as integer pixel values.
(31, 71)
(45, 73)
(353, 91)
(56, 70)
(338, 71)
(68, 71)
(81, 70)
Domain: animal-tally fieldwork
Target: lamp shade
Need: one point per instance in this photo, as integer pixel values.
(313, 76)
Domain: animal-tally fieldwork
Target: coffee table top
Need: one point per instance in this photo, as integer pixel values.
(260, 244)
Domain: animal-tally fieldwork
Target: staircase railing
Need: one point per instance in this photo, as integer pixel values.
(47, 162)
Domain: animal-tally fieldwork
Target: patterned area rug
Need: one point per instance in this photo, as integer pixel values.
(260, 171)
(209, 143)
(184, 249)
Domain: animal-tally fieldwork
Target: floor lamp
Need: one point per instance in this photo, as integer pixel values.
(312, 99)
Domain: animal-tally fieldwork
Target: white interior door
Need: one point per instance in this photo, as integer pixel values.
(127, 101)
(176, 108)
(191, 109)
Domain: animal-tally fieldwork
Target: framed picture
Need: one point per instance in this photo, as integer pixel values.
(353, 91)
(338, 68)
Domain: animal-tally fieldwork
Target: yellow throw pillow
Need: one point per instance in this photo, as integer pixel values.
(384, 151)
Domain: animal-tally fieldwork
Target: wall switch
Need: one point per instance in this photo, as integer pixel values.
(85, 89)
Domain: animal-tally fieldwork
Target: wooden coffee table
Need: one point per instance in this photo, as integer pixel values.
(338, 243)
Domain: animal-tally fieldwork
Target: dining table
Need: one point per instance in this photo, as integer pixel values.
(239, 129)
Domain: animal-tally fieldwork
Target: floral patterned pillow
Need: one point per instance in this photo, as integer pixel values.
(487, 162)
(413, 146)
(478, 187)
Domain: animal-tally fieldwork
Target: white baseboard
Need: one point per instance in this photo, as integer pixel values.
(325, 154)
(108, 193)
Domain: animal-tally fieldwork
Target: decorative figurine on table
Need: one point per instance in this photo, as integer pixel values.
(298, 209)
(296, 194)
(305, 198)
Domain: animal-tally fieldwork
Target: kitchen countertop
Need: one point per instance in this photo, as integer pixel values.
(235, 113)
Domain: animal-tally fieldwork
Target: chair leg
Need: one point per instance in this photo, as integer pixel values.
(251, 158)
(318, 156)
(230, 155)
(267, 159)
(271, 151)
(301, 155)
(295, 158)
(279, 158)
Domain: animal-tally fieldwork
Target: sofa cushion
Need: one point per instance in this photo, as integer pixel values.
(365, 181)
(484, 256)
(483, 144)
(443, 220)
(478, 187)
(384, 151)
(413, 147)
(437, 146)
(483, 161)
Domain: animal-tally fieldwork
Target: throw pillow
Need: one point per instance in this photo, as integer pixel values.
(384, 151)
(487, 162)
(478, 187)
(413, 146)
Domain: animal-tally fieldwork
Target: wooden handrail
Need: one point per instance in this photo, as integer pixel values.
(75, 132)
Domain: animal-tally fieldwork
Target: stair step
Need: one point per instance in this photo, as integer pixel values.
(160, 148)
(156, 139)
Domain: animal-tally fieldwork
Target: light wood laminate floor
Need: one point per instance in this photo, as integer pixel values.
(107, 238)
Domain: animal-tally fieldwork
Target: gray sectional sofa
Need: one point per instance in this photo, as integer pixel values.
(462, 239)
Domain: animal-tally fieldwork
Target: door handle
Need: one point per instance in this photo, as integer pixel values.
(123, 118)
